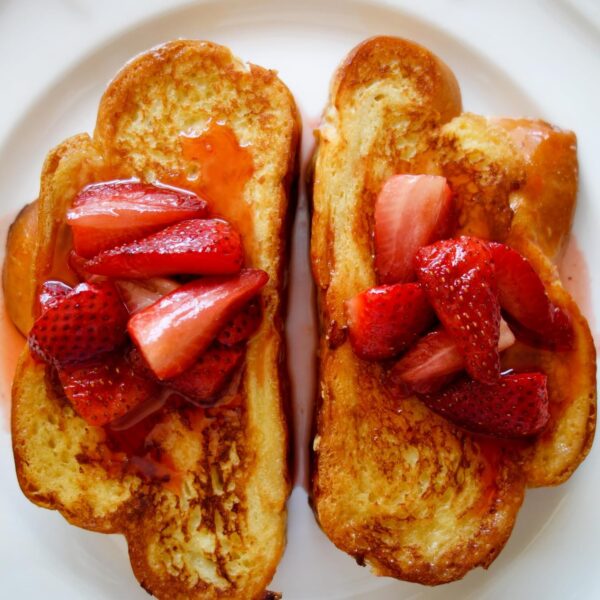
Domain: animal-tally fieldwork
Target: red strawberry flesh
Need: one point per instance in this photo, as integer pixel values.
(208, 375)
(411, 211)
(242, 326)
(105, 215)
(515, 406)
(174, 331)
(384, 320)
(104, 390)
(561, 337)
(88, 321)
(459, 279)
(433, 360)
(195, 247)
(523, 296)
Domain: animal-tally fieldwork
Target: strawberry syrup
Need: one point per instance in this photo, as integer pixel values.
(221, 169)
(135, 450)
(131, 450)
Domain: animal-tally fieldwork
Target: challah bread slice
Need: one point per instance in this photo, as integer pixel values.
(222, 532)
(394, 485)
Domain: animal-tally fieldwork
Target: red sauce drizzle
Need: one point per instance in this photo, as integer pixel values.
(135, 451)
(492, 450)
(132, 450)
(223, 167)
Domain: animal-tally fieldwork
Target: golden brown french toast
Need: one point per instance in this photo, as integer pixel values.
(393, 484)
(216, 527)
(20, 289)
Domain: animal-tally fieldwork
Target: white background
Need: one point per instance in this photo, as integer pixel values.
(537, 58)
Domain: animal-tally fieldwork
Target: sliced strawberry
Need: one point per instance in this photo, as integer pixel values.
(523, 296)
(411, 211)
(426, 366)
(384, 320)
(197, 246)
(77, 264)
(459, 280)
(514, 406)
(204, 379)
(560, 338)
(140, 294)
(208, 375)
(88, 321)
(104, 390)
(51, 293)
(242, 326)
(433, 360)
(174, 331)
(105, 215)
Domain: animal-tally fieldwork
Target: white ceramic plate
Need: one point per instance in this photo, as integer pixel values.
(554, 550)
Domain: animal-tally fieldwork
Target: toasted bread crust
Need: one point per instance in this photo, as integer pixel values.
(18, 290)
(394, 485)
(222, 534)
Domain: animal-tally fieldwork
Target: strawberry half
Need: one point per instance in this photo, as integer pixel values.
(561, 337)
(105, 215)
(174, 331)
(242, 326)
(197, 246)
(384, 320)
(459, 280)
(523, 296)
(88, 321)
(433, 361)
(208, 375)
(102, 391)
(514, 406)
(140, 294)
(51, 293)
(411, 211)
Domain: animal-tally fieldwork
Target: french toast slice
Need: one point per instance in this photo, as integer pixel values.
(217, 530)
(393, 484)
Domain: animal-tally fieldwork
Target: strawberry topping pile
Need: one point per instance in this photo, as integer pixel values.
(164, 308)
(445, 310)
